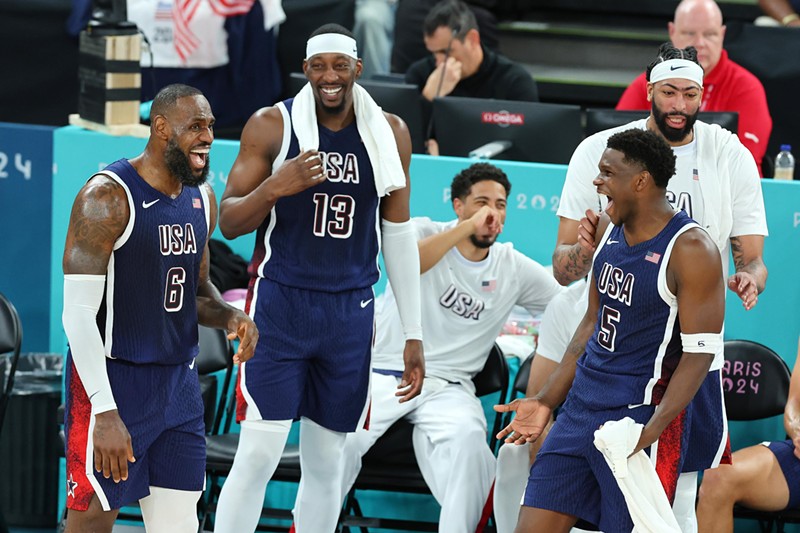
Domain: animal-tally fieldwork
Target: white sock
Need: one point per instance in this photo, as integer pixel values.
(170, 510)
(261, 444)
(513, 469)
(319, 497)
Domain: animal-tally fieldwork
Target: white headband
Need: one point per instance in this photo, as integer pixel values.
(331, 43)
(677, 68)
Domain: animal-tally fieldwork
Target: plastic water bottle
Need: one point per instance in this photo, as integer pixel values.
(784, 163)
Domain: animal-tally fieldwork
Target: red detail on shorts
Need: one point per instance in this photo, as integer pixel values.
(369, 414)
(241, 403)
(727, 454)
(668, 459)
(77, 418)
(248, 300)
(488, 507)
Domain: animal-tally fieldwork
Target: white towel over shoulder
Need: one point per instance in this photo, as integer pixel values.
(375, 131)
(636, 476)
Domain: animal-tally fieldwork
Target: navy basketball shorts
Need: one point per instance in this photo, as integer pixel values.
(312, 359)
(790, 465)
(708, 444)
(163, 412)
(571, 476)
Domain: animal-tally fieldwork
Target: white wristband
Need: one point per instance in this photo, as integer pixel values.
(701, 342)
(83, 294)
(401, 257)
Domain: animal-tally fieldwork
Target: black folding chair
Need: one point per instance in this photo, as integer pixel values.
(744, 401)
(10, 343)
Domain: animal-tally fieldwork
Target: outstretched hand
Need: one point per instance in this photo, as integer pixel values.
(411, 383)
(529, 423)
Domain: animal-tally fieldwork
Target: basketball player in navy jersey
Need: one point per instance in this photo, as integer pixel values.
(656, 307)
(135, 287)
(323, 180)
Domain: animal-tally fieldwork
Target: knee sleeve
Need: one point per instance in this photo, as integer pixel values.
(319, 496)
(509, 487)
(320, 449)
(170, 510)
(261, 444)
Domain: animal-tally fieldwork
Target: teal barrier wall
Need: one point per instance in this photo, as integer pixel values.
(531, 225)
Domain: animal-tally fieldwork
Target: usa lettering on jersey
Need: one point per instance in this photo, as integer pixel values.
(461, 303)
(682, 201)
(341, 168)
(616, 284)
(175, 239)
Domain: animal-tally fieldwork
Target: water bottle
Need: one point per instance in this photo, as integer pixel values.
(784, 163)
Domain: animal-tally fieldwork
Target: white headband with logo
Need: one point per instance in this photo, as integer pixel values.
(331, 43)
(677, 68)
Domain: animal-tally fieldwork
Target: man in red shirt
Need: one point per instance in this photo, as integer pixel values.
(727, 86)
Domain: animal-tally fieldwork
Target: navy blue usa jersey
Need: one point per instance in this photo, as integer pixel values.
(149, 312)
(636, 343)
(325, 238)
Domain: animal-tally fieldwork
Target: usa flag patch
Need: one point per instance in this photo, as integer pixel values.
(489, 285)
(652, 257)
(196, 203)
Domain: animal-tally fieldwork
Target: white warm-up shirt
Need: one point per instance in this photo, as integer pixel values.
(464, 306)
(716, 183)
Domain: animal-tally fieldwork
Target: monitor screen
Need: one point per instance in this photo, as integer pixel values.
(400, 99)
(530, 131)
(603, 119)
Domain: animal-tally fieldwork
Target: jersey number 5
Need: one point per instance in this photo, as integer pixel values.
(342, 208)
(608, 329)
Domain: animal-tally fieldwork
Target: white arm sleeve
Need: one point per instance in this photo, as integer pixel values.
(83, 294)
(401, 257)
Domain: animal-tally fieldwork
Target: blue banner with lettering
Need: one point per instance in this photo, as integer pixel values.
(26, 167)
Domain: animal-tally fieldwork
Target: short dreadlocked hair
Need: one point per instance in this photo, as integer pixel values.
(647, 149)
(668, 51)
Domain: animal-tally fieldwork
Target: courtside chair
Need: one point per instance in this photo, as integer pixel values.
(391, 466)
(753, 395)
(10, 343)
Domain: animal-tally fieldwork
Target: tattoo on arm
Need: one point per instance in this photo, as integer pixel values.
(98, 219)
(574, 264)
(738, 253)
(755, 267)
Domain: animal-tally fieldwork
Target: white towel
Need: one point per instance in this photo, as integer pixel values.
(647, 502)
(375, 131)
